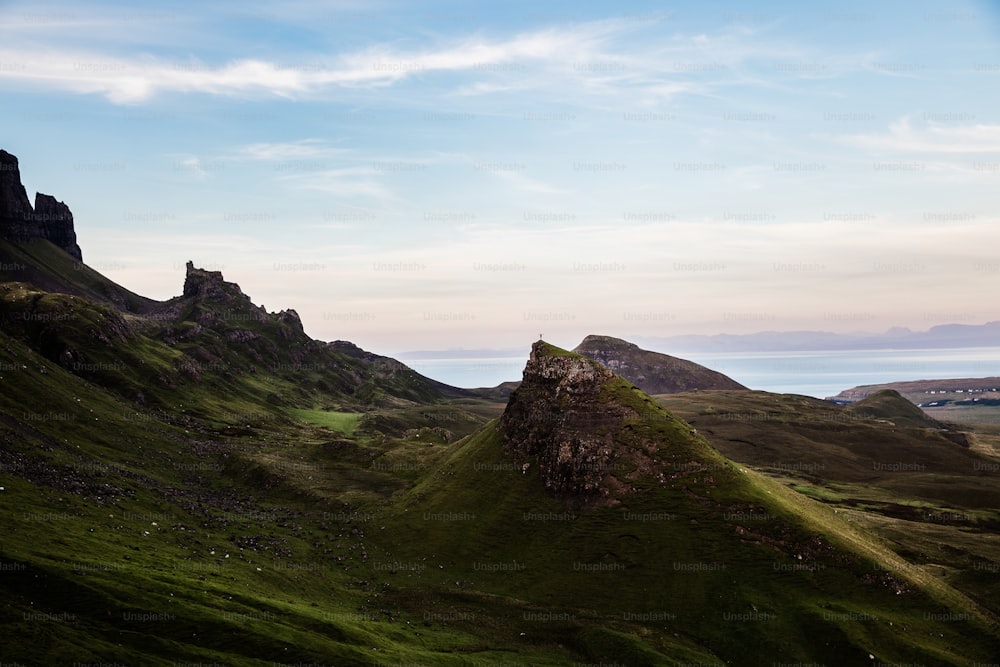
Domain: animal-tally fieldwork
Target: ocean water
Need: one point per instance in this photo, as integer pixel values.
(470, 372)
(819, 373)
(826, 373)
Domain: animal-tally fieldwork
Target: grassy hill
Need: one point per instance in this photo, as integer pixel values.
(156, 538)
(696, 559)
(49, 268)
(962, 400)
(197, 481)
(182, 480)
(148, 538)
(653, 372)
(890, 405)
(932, 499)
(212, 348)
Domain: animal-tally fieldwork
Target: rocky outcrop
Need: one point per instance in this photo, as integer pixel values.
(16, 214)
(50, 219)
(557, 421)
(292, 323)
(56, 221)
(587, 432)
(210, 285)
(653, 372)
(199, 282)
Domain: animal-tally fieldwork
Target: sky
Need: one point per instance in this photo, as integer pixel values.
(436, 175)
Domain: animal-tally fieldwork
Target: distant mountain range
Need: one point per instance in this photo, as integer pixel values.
(896, 338)
(942, 336)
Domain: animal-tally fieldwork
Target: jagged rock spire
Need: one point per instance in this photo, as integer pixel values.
(49, 219)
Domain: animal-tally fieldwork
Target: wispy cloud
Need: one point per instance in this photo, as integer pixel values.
(597, 57)
(292, 150)
(130, 80)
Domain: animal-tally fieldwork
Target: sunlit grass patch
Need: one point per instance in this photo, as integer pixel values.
(344, 422)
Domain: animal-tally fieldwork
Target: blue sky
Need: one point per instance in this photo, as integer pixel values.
(435, 175)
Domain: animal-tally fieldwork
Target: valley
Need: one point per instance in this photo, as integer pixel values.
(197, 481)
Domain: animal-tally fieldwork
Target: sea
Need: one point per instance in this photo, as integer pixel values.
(819, 373)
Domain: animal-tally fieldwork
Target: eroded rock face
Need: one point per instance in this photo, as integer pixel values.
(293, 322)
(561, 419)
(211, 285)
(49, 219)
(16, 222)
(222, 306)
(199, 282)
(56, 222)
(593, 437)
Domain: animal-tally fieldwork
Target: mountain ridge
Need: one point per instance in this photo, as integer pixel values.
(198, 481)
(653, 372)
(211, 335)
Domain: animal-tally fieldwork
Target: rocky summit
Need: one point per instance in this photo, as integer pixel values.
(204, 283)
(591, 433)
(653, 372)
(49, 219)
(209, 290)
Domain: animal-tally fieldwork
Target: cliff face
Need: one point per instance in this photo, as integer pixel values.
(16, 214)
(211, 290)
(55, 222)
(557, 420)
(590, 434)
(653, 372)
(49, 219)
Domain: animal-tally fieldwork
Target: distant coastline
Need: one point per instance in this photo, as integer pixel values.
(818, 373)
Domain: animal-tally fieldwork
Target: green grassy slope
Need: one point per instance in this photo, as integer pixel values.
(932, 500)
(137, 537)
(971, 401)
(684, 581)
(144, 540)
(890, 405)
(818, 439)
(718, 563)
(209, 487)
(50, 268)
(217, 358)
